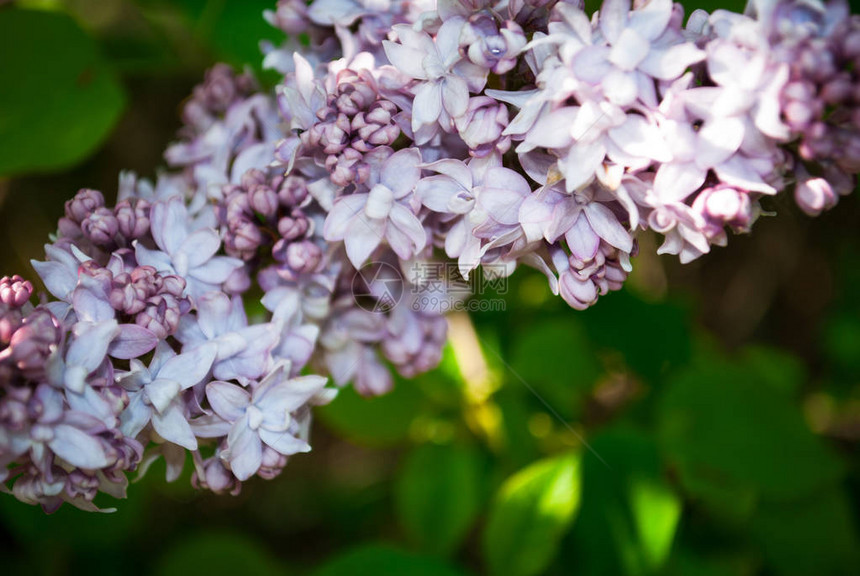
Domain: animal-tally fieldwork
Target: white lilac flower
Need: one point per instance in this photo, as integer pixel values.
(383, 213)
(243, 351)
(262, 416)
(190, 255)
(445, 78)
(155, 392)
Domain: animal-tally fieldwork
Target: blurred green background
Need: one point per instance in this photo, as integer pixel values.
(705, 421)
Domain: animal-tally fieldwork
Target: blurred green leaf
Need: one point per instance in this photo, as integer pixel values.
(529, 516)
(815, 535)
(556, 359)
(652, 337)
(710, 5)
(685, 563)
(379, 421)
(725, 428)
(439, 493)
(629, 513)
(382, 560)
(59, 100)
(71, 526)
(216, 554)
(776, 368)
(842, 343)
(233, 29)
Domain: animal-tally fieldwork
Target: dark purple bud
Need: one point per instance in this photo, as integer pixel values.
(347, 168)
(355, 91)
(303, 257)
(482, 125)
(272, 465)
(14, 415)
(815, 195)
(212, 474)
(851, 45)
(15, 291)
(331, 136)
(242, 239)
(130, 291)
(376, 127)
(291, 16)
(218, 90)
(173, 285)
(81, 484)
(292, 227)
(293, 191)
(253, 178)
(161, 315)
(85, 202)
(263, 201)
(101, 274)
(124, 297)
(132, 216)
(237, 208)
(723, 205)
(490, 47)
(33, 342)
(10, 320)
(100, 227)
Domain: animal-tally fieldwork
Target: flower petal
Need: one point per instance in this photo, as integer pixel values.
(78, 448)
(190, 367)
(173, 427)
(284, 442)
(245, 450)
(365, 234)
(227, 400)
(604, 222)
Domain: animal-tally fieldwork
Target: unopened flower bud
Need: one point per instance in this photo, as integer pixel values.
(815, 195)
(15, 291)
(293, 191)
(85, 202)
(292, 227)
(161, 315)
(100, 227)
(132, 216)
(263, 201)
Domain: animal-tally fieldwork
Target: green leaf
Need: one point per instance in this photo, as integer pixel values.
(379, 421)
(652, 338)
(382, 560)
(730, 433)
(556, 359)
(438, 494)
(815, 535)
(215, 554)
(59, 100)
(776, 368)
(71, 526)
(529, 516)
(234, 30)
(629, 512)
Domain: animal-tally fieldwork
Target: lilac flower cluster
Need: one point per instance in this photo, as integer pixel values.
(497, 132)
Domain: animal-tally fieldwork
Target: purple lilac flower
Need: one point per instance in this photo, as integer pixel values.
(363, 220)
(155, 392)
(261, 416)
(382, 142)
